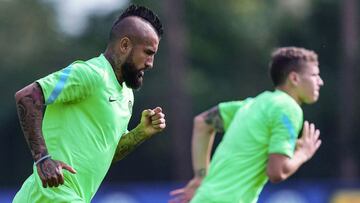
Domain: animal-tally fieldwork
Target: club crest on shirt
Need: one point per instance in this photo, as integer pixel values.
(130, 105)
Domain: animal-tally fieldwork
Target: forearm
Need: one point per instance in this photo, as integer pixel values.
(202, 142)
(129, 142)
(152, 122)
(281, 167)
(30, 108)
(293, 164)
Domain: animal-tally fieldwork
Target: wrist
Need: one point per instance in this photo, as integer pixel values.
(302, 156)
(39, 154)
(140, 132)
(196, 182)
(42, 159)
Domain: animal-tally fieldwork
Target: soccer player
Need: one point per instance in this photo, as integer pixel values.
(261, 135)
(76, 119)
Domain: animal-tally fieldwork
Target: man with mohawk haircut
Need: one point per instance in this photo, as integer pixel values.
(76, 119)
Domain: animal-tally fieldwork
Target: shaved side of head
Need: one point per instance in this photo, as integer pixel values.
(135, 28)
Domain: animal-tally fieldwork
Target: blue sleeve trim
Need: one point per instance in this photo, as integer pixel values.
(59, 85)
(288, 124)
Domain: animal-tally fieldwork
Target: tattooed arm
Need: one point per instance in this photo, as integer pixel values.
(128, 143)
(152, 122)
(30, 108)
(206, 125)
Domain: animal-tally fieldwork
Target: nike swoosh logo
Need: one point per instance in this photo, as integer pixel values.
(111, 99)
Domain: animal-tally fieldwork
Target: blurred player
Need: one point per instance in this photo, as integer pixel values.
(261, 135)
(88, 107)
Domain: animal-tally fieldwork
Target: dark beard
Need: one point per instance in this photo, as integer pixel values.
(131, 75)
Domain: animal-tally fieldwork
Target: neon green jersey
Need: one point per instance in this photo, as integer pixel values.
(87, 112)
(254, 128)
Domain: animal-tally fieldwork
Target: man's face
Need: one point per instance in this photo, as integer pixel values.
(309, 83)
(139, 59)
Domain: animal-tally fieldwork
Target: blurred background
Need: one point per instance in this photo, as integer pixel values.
(212, 51)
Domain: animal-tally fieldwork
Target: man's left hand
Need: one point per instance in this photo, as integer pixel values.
(152, 121)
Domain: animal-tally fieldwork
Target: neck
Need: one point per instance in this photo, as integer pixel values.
(290, 92)
(110, 56)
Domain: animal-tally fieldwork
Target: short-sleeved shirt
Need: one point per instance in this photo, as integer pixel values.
(254, 128)
(87, 111)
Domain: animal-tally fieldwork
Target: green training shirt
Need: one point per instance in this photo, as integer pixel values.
(254, 128)
(87, 111)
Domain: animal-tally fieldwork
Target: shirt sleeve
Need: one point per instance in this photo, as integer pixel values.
(71, 84)
(228, 110)
(284, 129)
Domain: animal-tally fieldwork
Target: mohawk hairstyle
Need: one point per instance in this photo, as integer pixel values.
(144, 13)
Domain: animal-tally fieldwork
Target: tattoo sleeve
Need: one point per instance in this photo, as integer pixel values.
(30, 108)
(213, 118)
(128, 143)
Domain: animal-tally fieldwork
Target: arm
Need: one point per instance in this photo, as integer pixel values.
(205, 127)
(30, 108)
(280, 167)
(152, 122)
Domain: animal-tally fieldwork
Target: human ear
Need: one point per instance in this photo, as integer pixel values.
(125, 45)
(294, 78)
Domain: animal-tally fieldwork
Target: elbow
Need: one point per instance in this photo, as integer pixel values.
(276, 177)
(278, 168)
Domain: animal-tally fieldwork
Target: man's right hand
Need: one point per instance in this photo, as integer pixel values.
(50, 172)
(309, 142)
